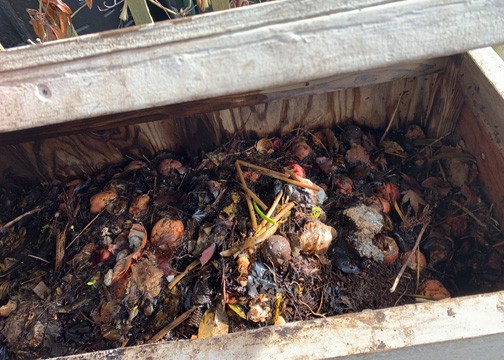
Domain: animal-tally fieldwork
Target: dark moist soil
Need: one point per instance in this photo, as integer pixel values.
(111, 288)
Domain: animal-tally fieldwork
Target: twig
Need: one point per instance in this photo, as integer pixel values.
(391, 119)
(180, 276)
(309, 308)
(292, 174)
(251, 241)
(468, 212)
(399, 212)
(283, 211)
(278, 175)
(164, 331)
(412, 253)
(261, 169)
(259, 236)
(499, 244)
(22, 216)
(271, 210)
(39, 258)
(85, 228)
(250, 206)
(245, 187)
(60, 248)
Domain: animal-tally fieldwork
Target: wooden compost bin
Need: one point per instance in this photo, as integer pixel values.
(71, 107)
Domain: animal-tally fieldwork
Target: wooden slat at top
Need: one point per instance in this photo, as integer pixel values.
(244, 51)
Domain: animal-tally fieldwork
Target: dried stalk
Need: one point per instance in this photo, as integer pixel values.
(245, 187)
(292, 174)
(260, 236)
(39, 258)
(164, 331)
(278, 175)
(391, 119)
(85, 228)
(252, 241)
(60, 248)
(278, 217)
(261, 169)
(22, 216)
(469, 212)
(270, 211)
(410, 257)
(180, 276)
(250, 206)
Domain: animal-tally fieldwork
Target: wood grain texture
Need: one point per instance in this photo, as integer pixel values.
(461, 328)
(482, 122)
(172, 112)
(447, 102)
(87, 152)
(479, 140)
(252, 49)
(370, 106)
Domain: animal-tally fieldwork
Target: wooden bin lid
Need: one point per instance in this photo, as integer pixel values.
(252, 52)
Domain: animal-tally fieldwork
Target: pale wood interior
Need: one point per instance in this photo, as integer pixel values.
(86, 152)
(456, 101)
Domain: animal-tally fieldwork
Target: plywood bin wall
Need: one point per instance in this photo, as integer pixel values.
(352, 61)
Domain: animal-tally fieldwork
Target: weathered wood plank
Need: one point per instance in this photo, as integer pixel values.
(87, 152)
(482, 127)
(419, 69)
(248, 50)
(448, 102)
(461, 328)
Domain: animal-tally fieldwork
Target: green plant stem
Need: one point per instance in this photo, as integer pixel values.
(261, 214)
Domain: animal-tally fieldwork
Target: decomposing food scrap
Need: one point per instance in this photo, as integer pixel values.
(256, 233)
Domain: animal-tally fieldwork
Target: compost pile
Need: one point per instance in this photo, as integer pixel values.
(256, 233)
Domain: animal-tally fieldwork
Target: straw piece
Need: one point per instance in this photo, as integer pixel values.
(250, 206)
(278, 175)
(271, 210)
(292, 174)
(259, 236)
(180, 276)
(413, 251)
(245, 187)
(162, 333)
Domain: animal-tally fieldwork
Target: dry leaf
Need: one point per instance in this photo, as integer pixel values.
(41, 290)
(414, 199)
(239, 310)
(393, 148)
(121, 268)
(53, 21)
(139, 206)
(89, 3)
(146, 279)
(213, 324)
(137, 239)
(203, 4)
(207, 254)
